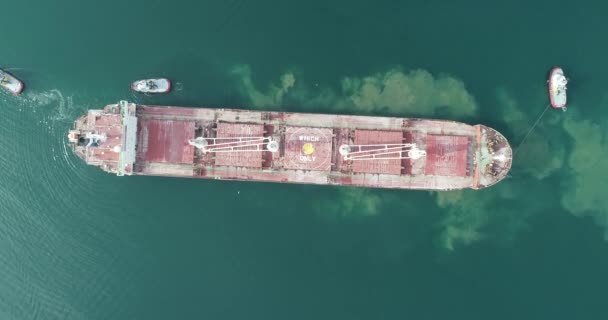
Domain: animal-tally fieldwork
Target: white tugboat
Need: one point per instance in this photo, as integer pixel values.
(557, 88)
(10, 83)
(161, 85)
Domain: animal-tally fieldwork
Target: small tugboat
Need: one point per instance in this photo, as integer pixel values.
(557, 88)
(161, 85)
(10, 83)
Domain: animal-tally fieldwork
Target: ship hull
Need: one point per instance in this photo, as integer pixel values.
(557, 97)
(10, 83)
(162, 85)
(235, 145)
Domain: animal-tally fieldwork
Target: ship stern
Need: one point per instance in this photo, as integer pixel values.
(107, 138)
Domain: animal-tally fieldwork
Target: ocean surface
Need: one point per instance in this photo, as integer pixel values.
(78, 243)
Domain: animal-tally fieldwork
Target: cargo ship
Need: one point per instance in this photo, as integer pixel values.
(285, 147)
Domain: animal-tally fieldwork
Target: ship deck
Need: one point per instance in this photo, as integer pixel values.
(163, 148)
(287, 147)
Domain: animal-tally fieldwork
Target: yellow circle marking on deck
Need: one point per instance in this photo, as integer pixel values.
(308, 148)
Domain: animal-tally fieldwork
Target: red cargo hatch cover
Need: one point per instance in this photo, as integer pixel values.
(251, 159)
(446, 155)
(165, 141)
(384, 166)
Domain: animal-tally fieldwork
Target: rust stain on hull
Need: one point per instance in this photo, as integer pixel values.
(232, 144)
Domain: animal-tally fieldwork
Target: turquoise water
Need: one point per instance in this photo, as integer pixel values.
(77, 243)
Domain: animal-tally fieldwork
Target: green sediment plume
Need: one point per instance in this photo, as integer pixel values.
(272, 98)
(467, 216)
(349, 202)
(585, 188)
(415, 92)
(393, 92)
(541, 154)
(470, 216)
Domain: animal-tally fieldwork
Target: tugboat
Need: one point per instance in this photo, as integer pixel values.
(10, 83)
(557, 88)
(161, 85)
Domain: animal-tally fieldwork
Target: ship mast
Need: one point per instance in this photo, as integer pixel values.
(381, 151)
(235, 144)
(349, 152)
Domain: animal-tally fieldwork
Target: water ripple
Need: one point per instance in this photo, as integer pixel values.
(50, 234)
